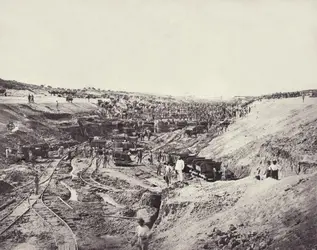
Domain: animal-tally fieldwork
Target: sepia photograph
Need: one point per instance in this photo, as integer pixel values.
(158, 125)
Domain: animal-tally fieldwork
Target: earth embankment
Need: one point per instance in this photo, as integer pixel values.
(283, 129)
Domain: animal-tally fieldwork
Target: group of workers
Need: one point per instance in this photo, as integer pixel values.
(31, 98)
(168, 170)
(272, 171)
(145, 133)
(102, 154)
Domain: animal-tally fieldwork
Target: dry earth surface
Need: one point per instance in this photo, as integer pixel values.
(242, 214)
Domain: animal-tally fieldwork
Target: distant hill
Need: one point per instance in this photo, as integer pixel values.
(9, 84)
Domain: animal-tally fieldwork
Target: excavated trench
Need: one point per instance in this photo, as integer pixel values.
(137, 202)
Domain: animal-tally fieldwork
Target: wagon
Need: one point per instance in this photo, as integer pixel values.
(69, 98)
(207, 169)
(122, 159)
(36, 149)
(133, 139)
(119, 137)
(181, 124)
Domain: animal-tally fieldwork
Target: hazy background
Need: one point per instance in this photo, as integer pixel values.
(196, 47)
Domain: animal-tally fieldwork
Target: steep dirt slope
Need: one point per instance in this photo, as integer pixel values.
(243, 214)
(251, 214)
(284, 129)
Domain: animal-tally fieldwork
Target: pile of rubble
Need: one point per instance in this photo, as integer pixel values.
(232, 239)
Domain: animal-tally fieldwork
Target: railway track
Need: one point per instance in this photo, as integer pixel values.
(86, 177)
(31, 182)
(23, 206)
(63, 234)
(62, 228)
(20, 198)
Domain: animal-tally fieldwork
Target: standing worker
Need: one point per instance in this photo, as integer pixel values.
(36, 181)
(7, 153)
(268, 170)
(60, 151)
(275, 168)
(159, 156)
(179, 167)
(110, 155)
(151, 157)
(168, 174)
(140, 156)
(159, 169)
(30, 155)
(69, 153)
(142, 235)
(223, 173)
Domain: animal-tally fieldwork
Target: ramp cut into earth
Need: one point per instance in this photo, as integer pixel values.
(282, 129)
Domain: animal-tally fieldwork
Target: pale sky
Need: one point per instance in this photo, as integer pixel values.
(196, 47)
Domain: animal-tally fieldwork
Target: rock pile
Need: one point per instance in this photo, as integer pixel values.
(232, 239)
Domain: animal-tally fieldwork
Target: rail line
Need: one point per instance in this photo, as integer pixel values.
(91, 182)
(31, 182)
(17, 203)
(64, 236)
(22, 207)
